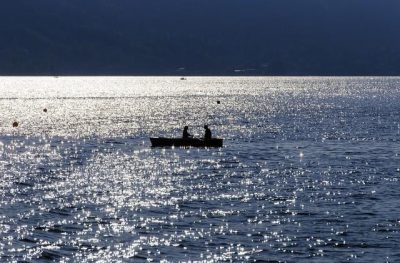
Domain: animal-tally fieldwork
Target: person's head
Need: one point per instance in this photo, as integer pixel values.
(205, 126)
(186, 127)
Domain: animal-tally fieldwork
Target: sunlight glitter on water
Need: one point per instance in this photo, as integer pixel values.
(309, 170)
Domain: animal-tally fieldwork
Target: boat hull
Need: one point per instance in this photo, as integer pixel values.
(189, 142)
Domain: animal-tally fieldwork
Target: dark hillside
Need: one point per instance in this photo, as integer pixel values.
(200, 37)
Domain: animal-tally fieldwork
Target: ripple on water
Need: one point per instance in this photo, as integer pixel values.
(308, 173)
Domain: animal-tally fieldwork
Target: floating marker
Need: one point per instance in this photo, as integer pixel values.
(218, 102)
(45, 110)
(15, 124)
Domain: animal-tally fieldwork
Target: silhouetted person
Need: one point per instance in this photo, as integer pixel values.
(186, 134)
(207, 134)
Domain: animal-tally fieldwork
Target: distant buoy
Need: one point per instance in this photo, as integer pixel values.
(15, 124)
(218, 102)
(44, 110)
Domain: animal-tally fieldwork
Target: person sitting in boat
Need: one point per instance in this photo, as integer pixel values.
(186, 134)
(207, 135)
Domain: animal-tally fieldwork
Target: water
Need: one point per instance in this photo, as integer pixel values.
(309, 171)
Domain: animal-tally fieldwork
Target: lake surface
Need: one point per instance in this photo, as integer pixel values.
(309, 171)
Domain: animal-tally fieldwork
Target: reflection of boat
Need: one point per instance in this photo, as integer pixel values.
(194, 142)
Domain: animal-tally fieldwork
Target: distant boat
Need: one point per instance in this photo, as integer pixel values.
(180, 142)
(183, 78)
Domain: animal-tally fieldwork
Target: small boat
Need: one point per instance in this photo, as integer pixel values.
(179, 142)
